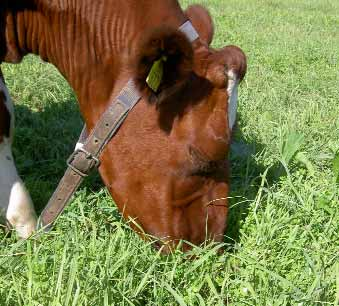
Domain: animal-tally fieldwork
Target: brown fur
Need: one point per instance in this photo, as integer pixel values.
(166, 168)
(164, 42)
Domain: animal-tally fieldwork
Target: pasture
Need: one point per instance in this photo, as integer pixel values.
(282, 242)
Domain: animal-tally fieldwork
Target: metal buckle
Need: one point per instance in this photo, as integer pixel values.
(88, 156)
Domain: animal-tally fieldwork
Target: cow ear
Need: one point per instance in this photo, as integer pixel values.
(164, 60)
(202, 22)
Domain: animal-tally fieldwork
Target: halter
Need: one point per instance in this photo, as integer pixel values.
(85, 158)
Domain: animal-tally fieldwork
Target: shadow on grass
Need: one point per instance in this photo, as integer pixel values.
(246, 177)
(43, 142)
(45, 139)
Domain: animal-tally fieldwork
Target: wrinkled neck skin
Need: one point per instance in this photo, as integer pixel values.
(88, 41)
(154, 174)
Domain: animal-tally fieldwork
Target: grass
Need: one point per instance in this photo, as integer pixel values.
(282, 242)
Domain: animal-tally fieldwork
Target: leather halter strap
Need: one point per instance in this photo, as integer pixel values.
(85, 158)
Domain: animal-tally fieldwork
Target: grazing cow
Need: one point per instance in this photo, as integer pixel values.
(15, 202)
(166, 167)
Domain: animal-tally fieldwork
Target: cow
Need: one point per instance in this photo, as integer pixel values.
(166, 167)
(15, 202)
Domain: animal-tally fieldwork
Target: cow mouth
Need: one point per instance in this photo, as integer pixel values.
(205, 166)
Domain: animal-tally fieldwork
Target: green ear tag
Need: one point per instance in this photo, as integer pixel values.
(155, 75)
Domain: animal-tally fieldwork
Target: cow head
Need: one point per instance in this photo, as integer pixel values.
(167, 167)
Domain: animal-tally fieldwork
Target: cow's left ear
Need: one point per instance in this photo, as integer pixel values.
(202, 22)
(164, 61)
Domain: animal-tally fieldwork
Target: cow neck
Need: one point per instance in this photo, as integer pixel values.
(86, 156)
(66, 34)
(66, 38)
(28, 29)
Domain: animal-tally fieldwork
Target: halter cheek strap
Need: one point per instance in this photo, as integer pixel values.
(85, 158)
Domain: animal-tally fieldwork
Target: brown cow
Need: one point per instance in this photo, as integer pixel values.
(166, 168)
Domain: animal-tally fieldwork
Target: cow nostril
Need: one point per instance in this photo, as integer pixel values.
(203, 165)
(157, 245)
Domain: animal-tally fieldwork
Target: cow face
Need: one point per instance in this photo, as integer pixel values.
(167, 167)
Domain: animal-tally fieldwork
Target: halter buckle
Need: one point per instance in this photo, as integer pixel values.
(82, 166)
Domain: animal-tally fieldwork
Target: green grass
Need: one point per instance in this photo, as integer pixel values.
(282, 242)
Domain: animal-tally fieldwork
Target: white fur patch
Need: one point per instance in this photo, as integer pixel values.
(232, 91)
(15, 203)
